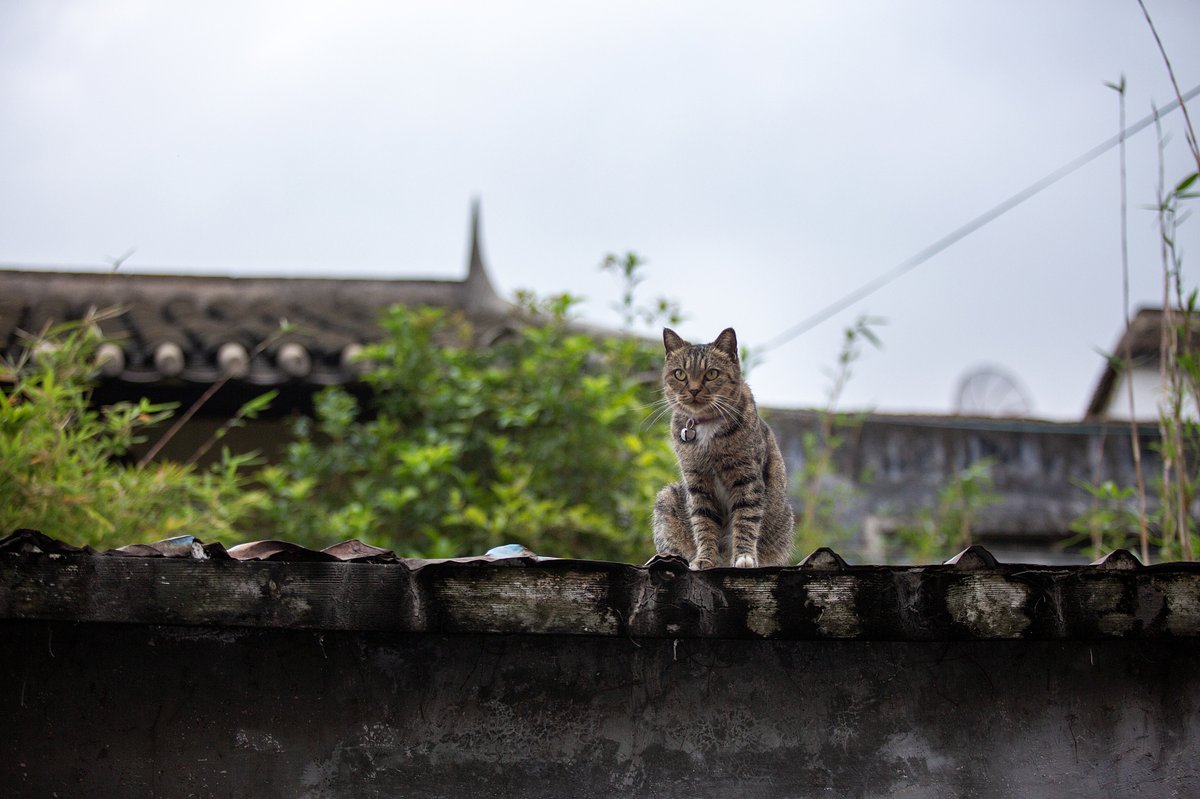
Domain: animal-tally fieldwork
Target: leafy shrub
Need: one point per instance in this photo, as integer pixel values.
(941, 531)
(1110, 523)
(539, 439)
(61, 461)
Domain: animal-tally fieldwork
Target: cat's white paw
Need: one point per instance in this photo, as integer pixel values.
(746, 562)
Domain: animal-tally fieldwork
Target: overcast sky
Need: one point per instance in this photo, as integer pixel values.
(766, 159)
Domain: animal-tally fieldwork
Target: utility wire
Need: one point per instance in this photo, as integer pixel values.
(943, 243)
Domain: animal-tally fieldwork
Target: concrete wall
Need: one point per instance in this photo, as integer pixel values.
(137, 710)
(890, 468)
(273, 671)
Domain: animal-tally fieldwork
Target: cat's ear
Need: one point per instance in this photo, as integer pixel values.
(727, 343)
(672, 341)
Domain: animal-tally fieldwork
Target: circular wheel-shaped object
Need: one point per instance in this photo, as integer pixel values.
(992, 391)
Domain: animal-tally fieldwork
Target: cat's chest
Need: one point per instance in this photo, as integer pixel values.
(704, 435)
(707, 452)
(721, 493)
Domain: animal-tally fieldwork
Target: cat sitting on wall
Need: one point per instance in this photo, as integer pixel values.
(731, 507)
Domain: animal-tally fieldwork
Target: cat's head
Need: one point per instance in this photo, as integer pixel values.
(699, 379)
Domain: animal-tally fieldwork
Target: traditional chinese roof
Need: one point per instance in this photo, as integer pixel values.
(194, 330)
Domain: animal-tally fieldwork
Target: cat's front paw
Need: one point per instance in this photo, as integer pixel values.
(746, 562)
(700, 563)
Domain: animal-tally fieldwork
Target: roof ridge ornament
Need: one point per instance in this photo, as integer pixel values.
(480, 293)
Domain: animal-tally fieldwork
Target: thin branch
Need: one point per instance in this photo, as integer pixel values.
(206, 396)
(1189, 131)
(1135, 441)
(180, 422)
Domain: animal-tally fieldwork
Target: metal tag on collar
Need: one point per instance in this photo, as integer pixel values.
(688, 431)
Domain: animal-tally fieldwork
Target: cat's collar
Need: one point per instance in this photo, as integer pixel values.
(688, 431)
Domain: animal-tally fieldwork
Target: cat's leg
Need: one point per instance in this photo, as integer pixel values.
(777, 537)
(706, 519)
(672, 531)
(747, 496)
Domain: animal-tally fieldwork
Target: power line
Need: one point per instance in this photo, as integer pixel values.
(943, 243)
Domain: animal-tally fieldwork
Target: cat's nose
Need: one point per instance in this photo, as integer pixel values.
(694, 391)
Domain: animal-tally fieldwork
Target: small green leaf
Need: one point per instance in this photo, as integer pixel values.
(252, 408)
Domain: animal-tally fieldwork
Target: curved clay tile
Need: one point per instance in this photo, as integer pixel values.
(233, 360)
(293, 360)
(111, 359)
(168, 359)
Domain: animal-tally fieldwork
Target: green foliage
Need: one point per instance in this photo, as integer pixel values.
(536, 440)
(61, 461)
(1179, 368)
(945, 529)
(1112, 521)
(1169, 525)
(629, 269)
(822, 496)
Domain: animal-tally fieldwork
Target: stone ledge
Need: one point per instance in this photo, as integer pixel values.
(969, 598)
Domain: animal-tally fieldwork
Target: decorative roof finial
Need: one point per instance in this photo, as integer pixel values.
(480, 295)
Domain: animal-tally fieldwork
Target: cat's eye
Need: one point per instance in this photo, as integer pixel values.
(711, 374)
(680, 374)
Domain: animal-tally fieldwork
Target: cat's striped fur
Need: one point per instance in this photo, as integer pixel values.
(731, 507)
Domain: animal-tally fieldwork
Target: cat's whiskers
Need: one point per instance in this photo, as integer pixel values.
(662, 407)
(657, 403)
(719, 407)
(726, 409)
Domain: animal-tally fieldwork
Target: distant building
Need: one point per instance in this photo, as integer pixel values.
(180, 334)
(1141, 342)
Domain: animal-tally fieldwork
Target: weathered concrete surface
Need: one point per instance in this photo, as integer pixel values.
(175, 669)
(971, 598)
(139, 710)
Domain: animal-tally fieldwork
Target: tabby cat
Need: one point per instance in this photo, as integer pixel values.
(731, 506)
